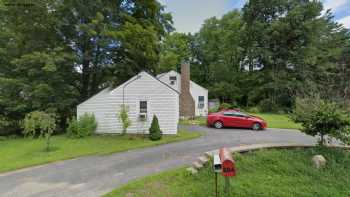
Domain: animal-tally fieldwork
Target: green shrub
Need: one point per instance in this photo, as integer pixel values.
(9, 127)
(213, 110)
(39, 124)
(267, 105)
(323, 119)
(72, 129)
(5, 124)
(154, 131)
(85, 126)
(124, 118)
(253, 110)
(225, 106)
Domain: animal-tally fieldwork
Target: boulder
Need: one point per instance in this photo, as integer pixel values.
(203, 160)
(319, 161)
(197, 165)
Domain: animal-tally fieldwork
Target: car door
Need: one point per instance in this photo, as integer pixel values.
(243, 121)
(230, 119)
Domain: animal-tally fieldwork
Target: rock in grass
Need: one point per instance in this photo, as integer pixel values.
(319, 161)
(203, 159)
(197, 165)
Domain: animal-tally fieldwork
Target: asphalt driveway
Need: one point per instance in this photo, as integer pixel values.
(97, 175)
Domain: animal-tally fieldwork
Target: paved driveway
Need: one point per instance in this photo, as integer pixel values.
(96, 175)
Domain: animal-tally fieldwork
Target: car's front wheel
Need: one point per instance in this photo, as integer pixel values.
(256, 127)
(218, 125)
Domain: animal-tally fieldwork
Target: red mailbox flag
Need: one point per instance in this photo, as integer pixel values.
(228, 164)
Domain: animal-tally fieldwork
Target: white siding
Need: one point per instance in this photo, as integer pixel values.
(162, 101)
(195, 89)
(165, 78)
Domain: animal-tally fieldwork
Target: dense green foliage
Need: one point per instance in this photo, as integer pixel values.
(154, 131)
(23, 152)
(265, 173)
(55, 54)
(84, 126)
(267, 54)
(174, 50)
(39, 124)
(324, 119)
(124, 117)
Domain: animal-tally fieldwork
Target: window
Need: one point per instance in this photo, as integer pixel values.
(200, 102)
(172, 80)
(235, 114)
(229, 113)
(143, 106)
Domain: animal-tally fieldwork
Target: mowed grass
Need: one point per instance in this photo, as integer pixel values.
(196, 121)
(24, 152)
(265, 173)
(281, 121)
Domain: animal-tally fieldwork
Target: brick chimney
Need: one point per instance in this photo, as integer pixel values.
(187, 104)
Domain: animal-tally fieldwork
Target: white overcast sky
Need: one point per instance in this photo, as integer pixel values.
(189, 15)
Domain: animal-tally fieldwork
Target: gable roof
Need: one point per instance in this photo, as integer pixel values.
(156, 78)
(134, 78)
(103, 92)
(162, 74)
(108, 90)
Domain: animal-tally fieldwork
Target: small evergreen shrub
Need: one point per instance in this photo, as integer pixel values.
(154, 131)
(85, 126)
(39, 124)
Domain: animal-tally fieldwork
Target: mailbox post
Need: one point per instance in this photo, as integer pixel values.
(217, 169)
(228, 167)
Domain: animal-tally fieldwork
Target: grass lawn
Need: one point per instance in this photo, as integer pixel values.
(281, 121)
(262, 173)
(197, 121)
(19, 153)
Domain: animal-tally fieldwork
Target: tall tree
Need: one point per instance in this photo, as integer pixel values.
(55, 54)
(175, 48)
(36, 67)
(280, 33)
(217, 54)
(112, 40)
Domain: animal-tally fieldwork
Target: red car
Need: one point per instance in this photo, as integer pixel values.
(234, 118)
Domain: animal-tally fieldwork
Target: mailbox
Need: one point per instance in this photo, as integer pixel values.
(217, 164)
(227, 162)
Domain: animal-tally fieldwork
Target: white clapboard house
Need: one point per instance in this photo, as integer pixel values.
(168, 96)
(145, 96)
(199, 94)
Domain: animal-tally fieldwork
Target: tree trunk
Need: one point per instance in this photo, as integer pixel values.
(322, 142)
(85, 78)
(95, 73)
